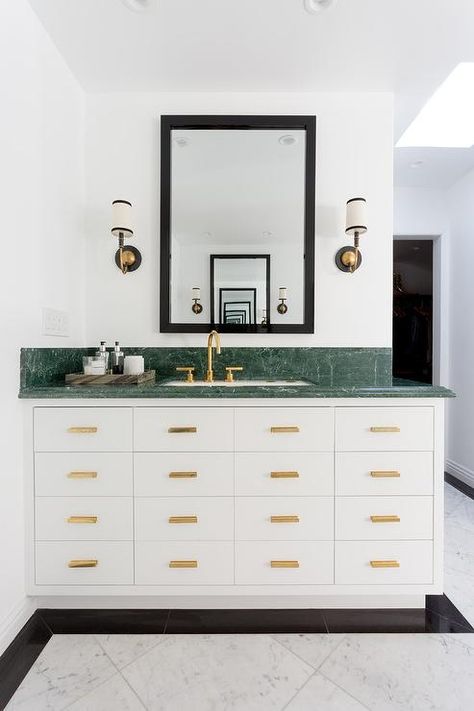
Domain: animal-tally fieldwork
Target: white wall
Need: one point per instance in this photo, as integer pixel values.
(460, 450)
(42, 189)
(354, 156)
(420, 211)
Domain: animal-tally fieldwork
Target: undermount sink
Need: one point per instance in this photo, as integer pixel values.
(238, 383)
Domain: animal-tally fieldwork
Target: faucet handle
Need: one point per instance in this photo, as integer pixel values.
(189, 370)
(229, 378)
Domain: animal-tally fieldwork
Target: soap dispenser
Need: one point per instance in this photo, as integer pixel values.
(117, 360)
(103, 353)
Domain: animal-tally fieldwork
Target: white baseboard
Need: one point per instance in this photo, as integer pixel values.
(14, 621)
(460, 472)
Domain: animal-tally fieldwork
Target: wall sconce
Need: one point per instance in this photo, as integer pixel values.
(282, 308)
(264, 318)
(197, 306)
(127, 258)
(348, 259)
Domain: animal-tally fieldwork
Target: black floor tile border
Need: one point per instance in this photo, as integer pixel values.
(459, 485)
(440, 615)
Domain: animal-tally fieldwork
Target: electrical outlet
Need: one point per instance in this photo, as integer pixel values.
(55, 323)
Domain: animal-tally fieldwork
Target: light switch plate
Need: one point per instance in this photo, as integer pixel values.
(55, 322)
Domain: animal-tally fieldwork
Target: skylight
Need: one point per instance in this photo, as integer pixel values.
(447, 119)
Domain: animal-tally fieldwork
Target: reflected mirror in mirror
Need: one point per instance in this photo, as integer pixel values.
(235, 200)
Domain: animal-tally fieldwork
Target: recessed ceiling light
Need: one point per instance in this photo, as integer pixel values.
(287, 140)
(138, 5)
(181, 141)
(447, 119)
(315, 6)
(416, 163)
(267, 233)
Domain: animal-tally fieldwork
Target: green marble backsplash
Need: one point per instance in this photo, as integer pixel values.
(323, 366)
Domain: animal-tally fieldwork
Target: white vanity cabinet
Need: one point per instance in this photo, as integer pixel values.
(287, 499)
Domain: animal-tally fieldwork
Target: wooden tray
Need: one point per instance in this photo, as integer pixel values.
(80, 379)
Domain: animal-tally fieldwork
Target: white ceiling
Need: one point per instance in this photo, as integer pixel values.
(404, 46)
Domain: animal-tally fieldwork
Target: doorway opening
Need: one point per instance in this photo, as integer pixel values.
(413, 309)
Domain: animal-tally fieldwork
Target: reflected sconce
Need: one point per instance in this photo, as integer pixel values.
(282, 308)
(348, 259)
(264, 321)
(127, 258)
(197, 306)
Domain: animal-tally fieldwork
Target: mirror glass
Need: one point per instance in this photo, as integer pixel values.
(237, 227)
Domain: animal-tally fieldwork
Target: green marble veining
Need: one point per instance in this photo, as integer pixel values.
(331, 372)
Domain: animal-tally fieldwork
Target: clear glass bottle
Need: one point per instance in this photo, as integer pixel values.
(102, 352)
(117, 360)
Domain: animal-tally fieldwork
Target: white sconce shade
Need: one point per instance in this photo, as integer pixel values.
(121, 217)
(356, 216)
(282, 292)
(196, 292)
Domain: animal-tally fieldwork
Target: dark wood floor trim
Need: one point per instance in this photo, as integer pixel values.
(459, 485)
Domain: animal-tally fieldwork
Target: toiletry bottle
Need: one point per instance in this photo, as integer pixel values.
(117, 359)
(102, 352)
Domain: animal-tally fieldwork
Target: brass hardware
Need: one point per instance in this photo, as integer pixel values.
(83, 564)
(278, 430)
(182, 475)
(82, 430)
(82, 519)
(82, 475)
(385, 475)
(181, 430)
(385, 429)
(348, 259)
(284, 519)
(213, 336)
(229, 378)
(127, 258)
(183, 564)
(189, 371)
(384, 564)
(385, 519)
(183, 519)
(284, 564)
(284, 475)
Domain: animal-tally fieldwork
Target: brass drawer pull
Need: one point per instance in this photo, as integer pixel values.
(384, 564)
(385, 475)
(82, 519)
(182, 430)
(183, 519)
(385, 429)
(385, 519)
(183, 564)
(82, 430)
(82, 475)
(284, 475)
(182, 475)
(284, 519)
(279, 430)
(284, 564)
(83, 564)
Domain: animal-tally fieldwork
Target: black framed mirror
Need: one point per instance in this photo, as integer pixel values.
(237, 195)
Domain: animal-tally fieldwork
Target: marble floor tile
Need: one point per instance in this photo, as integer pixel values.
(114, 695)
(459, 587)
(459, 548)
(452, 499)
(217, 672)
(321, 694)
(68, 667)
(463, 514)
(125, 648)
(404, 672)
(311, 648)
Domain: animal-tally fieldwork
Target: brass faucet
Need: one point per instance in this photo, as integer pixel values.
(213, 336)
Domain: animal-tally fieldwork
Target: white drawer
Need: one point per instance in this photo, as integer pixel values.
(114, 563)
(283, 474)
(83, 429)
(384, 473)
(194, 563)
(184, 519)
(360, 429)
(353, 562)
(72, 519)
(263, 563)
(353, 517)
(313, 518)
(284, 429)
(184, 474)
(84, 474)
(184, 429)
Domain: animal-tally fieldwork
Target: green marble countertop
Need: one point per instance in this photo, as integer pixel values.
(160, 390)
